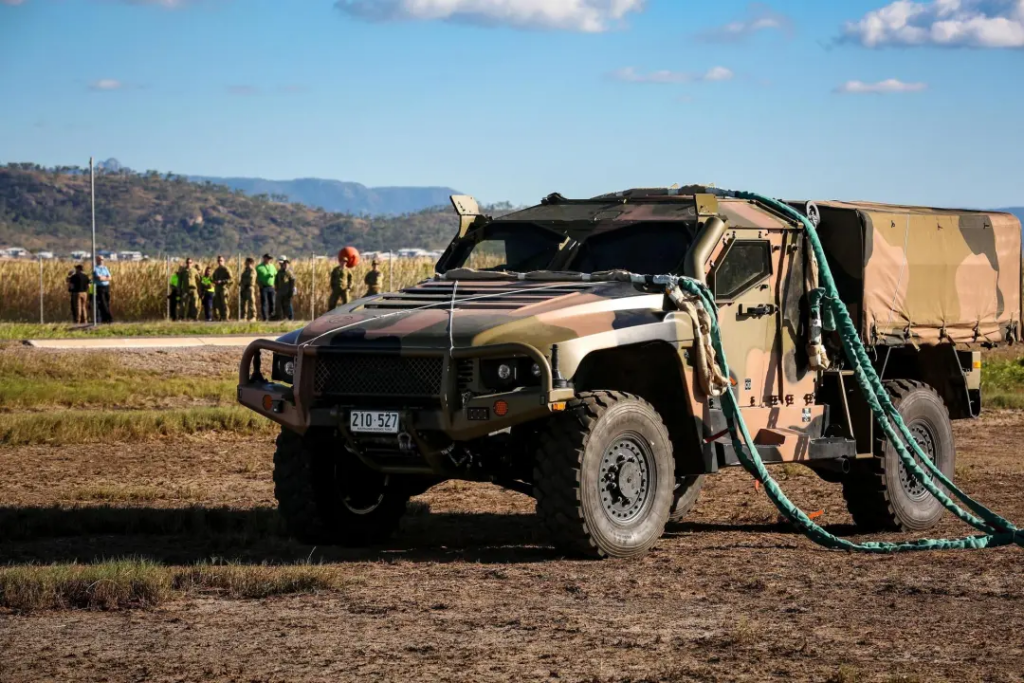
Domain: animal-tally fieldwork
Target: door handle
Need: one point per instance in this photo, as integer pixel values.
(756, 311)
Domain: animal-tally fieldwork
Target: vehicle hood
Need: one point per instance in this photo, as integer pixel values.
(446, 314)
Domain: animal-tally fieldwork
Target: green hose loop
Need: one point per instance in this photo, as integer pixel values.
(997, 531)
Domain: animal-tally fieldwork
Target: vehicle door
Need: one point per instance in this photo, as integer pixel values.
(744, 283)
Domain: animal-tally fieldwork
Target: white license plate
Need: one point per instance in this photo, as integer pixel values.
(373, 421)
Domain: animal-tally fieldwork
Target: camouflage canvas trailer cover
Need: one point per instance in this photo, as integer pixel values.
(925, 276)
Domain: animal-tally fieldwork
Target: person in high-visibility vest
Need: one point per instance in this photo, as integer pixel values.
(208, 290)
(172, 296)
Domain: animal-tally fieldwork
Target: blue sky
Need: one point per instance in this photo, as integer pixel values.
(918, 102)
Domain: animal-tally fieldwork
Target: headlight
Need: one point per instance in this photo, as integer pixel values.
(506, 374)
(284, 369)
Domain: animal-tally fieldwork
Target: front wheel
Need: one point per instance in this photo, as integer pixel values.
(604, 476)
(327, 495)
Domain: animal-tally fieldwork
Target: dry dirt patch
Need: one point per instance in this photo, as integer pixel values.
(469, 592)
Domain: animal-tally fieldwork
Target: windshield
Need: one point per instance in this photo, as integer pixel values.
(644, 248)
(514, 248)
(651, 249)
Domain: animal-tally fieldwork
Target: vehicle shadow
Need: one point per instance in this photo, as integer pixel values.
(678, 529)
(198, 534)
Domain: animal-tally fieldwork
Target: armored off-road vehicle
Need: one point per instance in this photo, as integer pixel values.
(527, 361)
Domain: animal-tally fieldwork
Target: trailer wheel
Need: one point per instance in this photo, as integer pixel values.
(879, 492)
(685, 496)
(604, 476)
(326, 495)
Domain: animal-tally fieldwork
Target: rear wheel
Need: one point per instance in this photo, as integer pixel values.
(604, 476)
(880, 493)
(327, 495)
(685, 496)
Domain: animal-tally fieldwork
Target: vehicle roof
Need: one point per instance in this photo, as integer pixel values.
(643, 204)
(881, 207)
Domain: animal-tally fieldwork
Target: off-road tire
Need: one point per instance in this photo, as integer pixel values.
(311, 476)
(573, 448)
(685, 496)
(874, 493)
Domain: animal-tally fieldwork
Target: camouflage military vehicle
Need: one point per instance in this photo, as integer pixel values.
(530, 363)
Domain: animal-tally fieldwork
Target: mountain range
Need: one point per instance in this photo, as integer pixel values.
(49, 208)
(340, 196)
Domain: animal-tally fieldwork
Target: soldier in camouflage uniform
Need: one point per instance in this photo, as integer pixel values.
(189, 284)
(247, 282)
(341, 284)
(221, 280)
(284, 284)
(372, 279)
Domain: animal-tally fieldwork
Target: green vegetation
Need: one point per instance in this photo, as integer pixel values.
(164, 213)
(101, 426)
(22, 331)
(34, 381)
(1002, 383)
(139, 583)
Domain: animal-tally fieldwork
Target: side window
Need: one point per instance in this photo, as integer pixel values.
(745, 264)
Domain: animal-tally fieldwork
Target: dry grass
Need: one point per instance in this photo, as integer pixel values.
(21, 331)
(139, 583)
(102, 426)
(120, 493)
(139, 290)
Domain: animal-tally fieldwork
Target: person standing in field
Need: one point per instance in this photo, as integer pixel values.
(101, 282)
(266, 273)
(372, 279)
(78, 286)
(341, 282)
(188, 291)
(247, 282)
(208, 290)
(221, 280)
(284, 283)
(172, 296)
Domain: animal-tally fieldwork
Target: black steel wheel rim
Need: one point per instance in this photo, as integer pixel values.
(628, 478)
(925, 438)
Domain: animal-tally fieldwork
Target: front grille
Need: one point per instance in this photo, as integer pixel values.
(358, 374)
(464, 374)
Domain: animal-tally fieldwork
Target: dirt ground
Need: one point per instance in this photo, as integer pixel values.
(468, 591)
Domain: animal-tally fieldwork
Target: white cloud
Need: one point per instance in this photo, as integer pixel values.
(758, 17)
(106, 84)
(944, 23)
(630, 75)
(588, 16)
(885, 87)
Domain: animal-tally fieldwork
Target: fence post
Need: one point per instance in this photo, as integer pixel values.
(238, 287)
(41, 321)
(312, 289)
(391, 271)
(167, 287)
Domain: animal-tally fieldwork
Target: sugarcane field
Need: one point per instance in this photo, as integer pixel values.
(598, 341)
